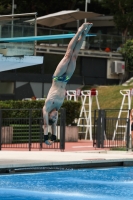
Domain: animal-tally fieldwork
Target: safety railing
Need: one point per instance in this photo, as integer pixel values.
(111, 131)
(21, 28)
(27, 132)
(98, 42)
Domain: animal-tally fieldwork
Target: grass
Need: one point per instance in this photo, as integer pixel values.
(109, 96)
(118, 149)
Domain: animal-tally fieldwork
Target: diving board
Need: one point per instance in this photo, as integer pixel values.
(37, 38)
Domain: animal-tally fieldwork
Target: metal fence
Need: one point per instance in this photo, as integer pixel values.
(27, 132)
(23, 130)
(111, 131)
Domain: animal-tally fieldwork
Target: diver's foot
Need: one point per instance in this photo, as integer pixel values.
(87, 28)
(82, 28)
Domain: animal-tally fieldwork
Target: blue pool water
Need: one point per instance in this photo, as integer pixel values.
(83, 184)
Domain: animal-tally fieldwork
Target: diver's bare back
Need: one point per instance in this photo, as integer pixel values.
(55, 96)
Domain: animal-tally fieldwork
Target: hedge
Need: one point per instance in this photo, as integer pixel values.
(72, 109)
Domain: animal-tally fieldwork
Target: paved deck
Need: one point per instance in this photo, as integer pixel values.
(92, 158)
(76, 154)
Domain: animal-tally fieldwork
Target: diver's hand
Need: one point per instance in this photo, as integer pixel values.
(49, 142)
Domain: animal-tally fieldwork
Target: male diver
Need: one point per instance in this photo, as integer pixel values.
(62, 75)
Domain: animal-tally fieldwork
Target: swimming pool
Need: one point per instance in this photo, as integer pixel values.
(82, 184)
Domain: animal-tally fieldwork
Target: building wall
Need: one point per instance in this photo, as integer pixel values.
(90, 70)
(40, 90)
(6, 88)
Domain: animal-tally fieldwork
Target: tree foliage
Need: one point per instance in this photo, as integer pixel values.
(127, 52)
(93, 6)
(122, 10)
(42, 7)
(5, 7)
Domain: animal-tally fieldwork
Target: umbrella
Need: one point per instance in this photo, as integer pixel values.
(5, 20)
(63, 17)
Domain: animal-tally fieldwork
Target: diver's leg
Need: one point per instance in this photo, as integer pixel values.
(63, 65)
(72, 63)
(76, 44)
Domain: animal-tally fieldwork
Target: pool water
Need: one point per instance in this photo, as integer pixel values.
(82, 184)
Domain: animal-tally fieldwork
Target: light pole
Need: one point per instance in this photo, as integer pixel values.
(13, 7)
(86, 3)
(12, 17)
(84, 45)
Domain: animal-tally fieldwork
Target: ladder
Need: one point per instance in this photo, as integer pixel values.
(124, 108)
(85, 118)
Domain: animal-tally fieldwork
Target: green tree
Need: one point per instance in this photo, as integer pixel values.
(93, 6)
(5, 7)
(122, 10)
(42, 7)
(127, 53)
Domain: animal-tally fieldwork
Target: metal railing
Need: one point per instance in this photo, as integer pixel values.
(98, 42)
(107, 126)
(22, 29)
(27, 132)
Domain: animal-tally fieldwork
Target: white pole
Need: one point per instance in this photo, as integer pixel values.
(84, 45)
(35, 28)
(12, 17)
(12, 7)
(0, 31)
(86, 3)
